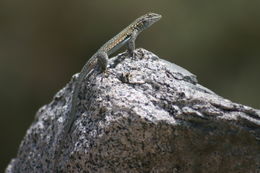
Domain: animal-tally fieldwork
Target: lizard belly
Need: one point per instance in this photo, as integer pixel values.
(118, 46)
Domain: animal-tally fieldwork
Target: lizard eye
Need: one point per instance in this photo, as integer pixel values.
(146, 23)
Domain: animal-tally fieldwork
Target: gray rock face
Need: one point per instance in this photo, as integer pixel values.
(144, 115)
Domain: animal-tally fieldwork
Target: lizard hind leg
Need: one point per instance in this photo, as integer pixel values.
(102, 59)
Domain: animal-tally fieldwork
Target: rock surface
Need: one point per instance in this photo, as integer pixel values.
(144, 115)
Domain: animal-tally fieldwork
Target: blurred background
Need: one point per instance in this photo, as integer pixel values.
(43, 43)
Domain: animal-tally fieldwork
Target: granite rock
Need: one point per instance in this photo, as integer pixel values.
(144, 115)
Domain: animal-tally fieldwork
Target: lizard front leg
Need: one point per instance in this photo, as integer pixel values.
(131, 44)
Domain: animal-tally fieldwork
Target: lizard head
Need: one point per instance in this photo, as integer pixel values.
(147, 20)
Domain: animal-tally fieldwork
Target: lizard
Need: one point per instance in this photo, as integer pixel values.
(100, 59)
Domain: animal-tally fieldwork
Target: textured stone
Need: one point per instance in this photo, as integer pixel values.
(144, 115)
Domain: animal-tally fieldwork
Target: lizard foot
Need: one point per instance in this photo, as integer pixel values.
(106, 73)
(131, 54)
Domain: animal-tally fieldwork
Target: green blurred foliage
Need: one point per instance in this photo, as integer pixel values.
(43, 43)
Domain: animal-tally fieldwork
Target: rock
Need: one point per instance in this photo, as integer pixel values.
(144, 115)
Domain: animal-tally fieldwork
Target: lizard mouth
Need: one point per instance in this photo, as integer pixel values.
(154, 16)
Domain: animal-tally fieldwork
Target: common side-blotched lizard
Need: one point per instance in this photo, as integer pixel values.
(100, 58)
